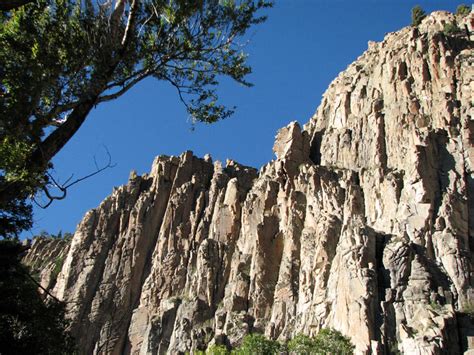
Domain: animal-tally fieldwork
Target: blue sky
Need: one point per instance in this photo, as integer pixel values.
(294, 55)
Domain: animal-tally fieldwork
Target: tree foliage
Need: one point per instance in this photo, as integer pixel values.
(417, 15)
(15, 212)
(451, 28)
(327, 341)
(215, 350)
(463, 10)
(301, 344)
(61, 58)
(257, 344)
(28, 324)
(332, 341)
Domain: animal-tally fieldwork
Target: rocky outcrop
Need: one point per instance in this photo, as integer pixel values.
(363, 223)
(46, 257)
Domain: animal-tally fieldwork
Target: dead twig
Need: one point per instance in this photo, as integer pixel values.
(68, 183)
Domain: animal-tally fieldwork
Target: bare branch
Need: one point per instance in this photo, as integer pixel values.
(107, 166)
(69, 179)
(64, 187)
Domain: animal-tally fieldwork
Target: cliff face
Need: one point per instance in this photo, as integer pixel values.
(363, 223)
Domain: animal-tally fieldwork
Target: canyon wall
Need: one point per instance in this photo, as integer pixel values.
(363, 223)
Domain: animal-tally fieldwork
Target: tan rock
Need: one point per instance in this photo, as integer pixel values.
(363, 223)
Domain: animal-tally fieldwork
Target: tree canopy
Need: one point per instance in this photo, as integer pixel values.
(29, 323)
(61, 58)
(417, 15)
(463, 10)
(327, 341)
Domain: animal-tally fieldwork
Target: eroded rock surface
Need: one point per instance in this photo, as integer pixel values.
(364, 223)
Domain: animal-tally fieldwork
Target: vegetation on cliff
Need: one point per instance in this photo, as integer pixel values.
(327, 341)
(417, 15)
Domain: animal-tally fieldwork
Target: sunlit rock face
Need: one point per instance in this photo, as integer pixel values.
(363, 223)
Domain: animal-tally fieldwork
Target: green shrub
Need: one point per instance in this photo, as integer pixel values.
(468, 309)
(436, 306)
(58, 265)
(331, 341)
(463, 10)
(451, 29)
(328, 341)
(393, 348)
(257, 344)
(417, 15)
(217, 350)
(301, 344)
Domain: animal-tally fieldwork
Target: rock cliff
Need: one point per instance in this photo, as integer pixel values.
(363, 223)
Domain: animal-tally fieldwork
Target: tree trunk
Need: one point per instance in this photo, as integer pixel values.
(38, 161)
(41, 157)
